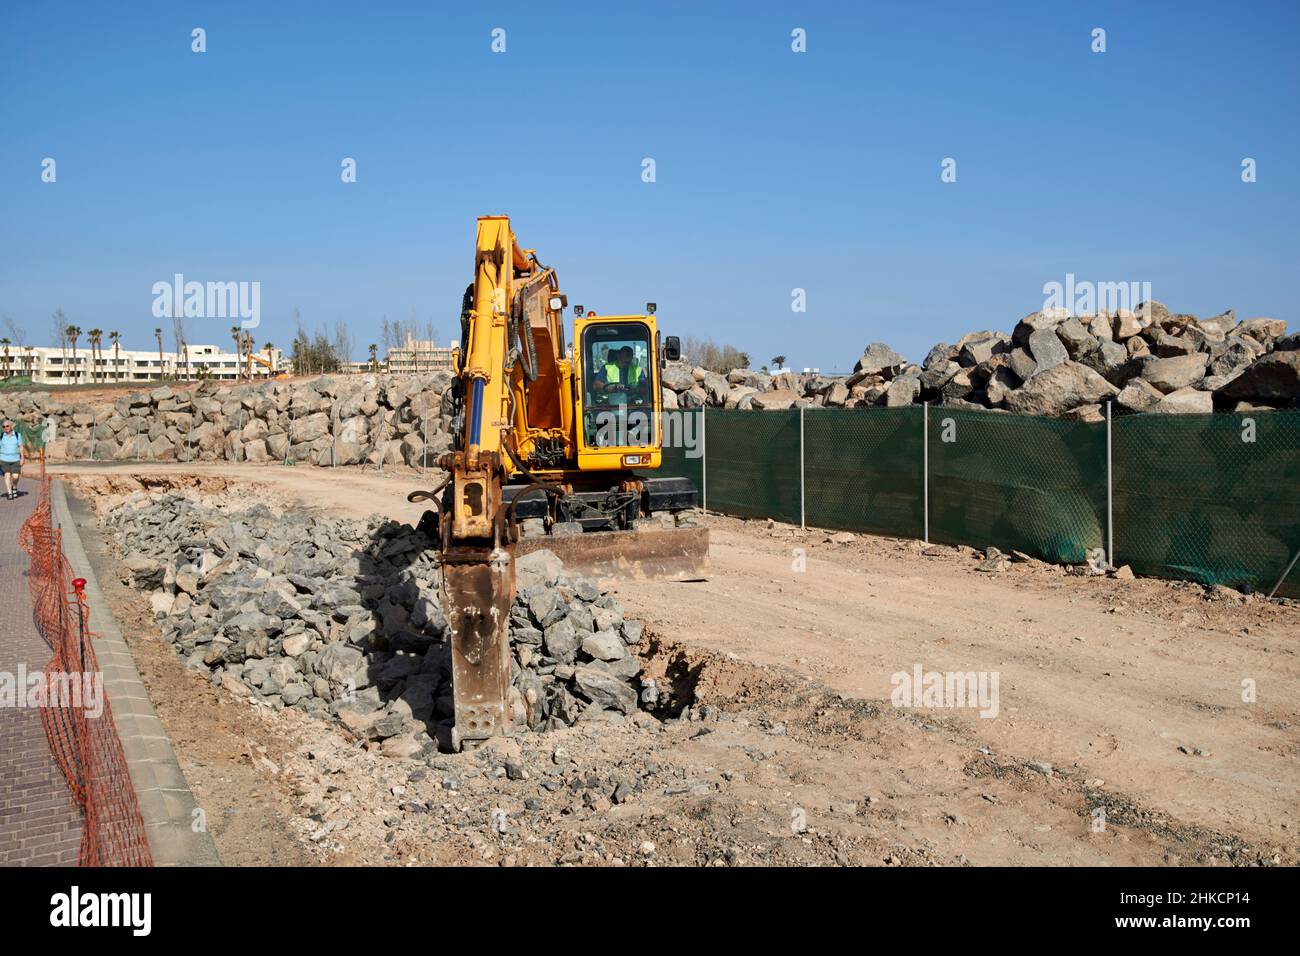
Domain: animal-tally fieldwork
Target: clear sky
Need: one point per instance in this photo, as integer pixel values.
(774, 170)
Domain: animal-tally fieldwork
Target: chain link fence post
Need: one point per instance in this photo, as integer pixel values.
(1110, 494)
(288, 435)
(925, 467)
(704, 459)
(803, 512)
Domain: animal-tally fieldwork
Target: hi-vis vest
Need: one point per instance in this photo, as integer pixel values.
(612, 374)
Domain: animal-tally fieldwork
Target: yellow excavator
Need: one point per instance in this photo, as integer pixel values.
(554, 438)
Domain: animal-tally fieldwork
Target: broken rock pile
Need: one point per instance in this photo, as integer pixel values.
(342, 619)
(1051, 363)
(334, 419)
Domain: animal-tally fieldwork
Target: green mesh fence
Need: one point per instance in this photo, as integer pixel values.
(682, 453)
(1209, 498)
(865, 472)
(1214, 499)
(752, 462)
(1036, 485)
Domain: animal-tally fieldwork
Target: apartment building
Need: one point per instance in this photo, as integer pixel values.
(51, 365)
(419, 355)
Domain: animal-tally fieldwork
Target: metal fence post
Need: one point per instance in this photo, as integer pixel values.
(925, 466)
(1110, 494)
(288, 435)
(802, 510)
(704, 459)
(1284, 575)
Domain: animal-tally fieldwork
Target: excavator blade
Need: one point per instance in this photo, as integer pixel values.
(479, 587)
(674, 554)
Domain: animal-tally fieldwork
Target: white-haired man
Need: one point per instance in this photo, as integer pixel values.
(11, 457)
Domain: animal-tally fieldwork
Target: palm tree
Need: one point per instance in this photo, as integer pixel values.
(5, 342)
(95, 336)
(28, 357)
(374, 357)
(270, 358)
(74, 333)
(157, 334)
(235, 334)
(116, 339)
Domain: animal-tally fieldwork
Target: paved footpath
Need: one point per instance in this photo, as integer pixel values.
(39, 823)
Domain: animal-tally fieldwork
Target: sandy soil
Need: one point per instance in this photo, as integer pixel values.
(790, 751)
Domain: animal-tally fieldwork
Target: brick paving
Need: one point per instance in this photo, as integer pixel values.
(39, 824)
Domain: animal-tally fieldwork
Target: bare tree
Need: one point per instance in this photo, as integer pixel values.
(178, 335)
(61, 336)
(17, 333)
(708, 354)
(343, 344)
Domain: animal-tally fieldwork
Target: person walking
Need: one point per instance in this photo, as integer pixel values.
(11, 458)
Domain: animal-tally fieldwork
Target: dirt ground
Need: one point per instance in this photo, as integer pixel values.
(1139, 722)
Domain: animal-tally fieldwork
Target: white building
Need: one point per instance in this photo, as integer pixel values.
(56, 366)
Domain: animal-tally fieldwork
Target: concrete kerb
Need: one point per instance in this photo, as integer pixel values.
(166, 803)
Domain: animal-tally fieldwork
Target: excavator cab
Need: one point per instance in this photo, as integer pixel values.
(616, 364)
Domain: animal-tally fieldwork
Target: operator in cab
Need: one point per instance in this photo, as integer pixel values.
(621, 372)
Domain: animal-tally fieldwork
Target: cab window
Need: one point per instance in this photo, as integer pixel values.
(617, 385)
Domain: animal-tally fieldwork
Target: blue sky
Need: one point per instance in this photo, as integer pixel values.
(775, 170)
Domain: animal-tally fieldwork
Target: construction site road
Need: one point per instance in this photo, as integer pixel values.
(1167, 709)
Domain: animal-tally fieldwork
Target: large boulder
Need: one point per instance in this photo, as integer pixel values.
(1185, 401)
(604, 689)
(1045, 321)
(1175, 372)
(1139, 395)
(1273, 379)
(778, 399)
(1263, 331)
(1059, 389)
(878, 357)
(903, 390)
(1046, 348)
(1078, 341)
(1237, 352)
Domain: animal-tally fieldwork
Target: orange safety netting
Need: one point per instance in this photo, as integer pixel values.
(86, 746)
